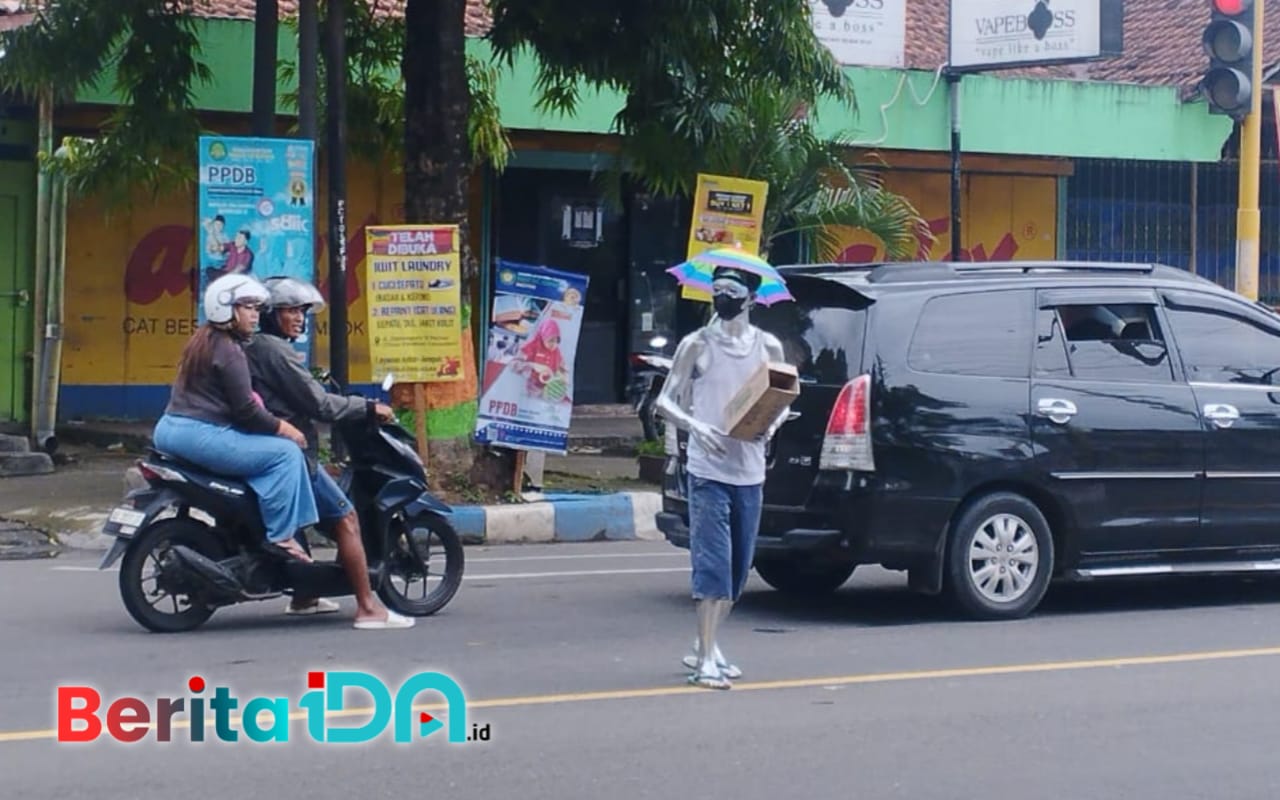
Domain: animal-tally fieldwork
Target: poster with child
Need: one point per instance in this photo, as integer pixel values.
(526, 394)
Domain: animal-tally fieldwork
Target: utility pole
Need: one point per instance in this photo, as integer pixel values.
(266, 27)
(335, 145)
(1248, 217)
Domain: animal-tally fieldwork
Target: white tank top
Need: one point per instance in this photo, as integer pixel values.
(743, 462)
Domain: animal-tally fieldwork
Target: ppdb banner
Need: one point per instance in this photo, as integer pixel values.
(526, 395)
(257, 210)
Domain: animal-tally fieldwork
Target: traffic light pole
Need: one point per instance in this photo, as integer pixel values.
(1248, 217)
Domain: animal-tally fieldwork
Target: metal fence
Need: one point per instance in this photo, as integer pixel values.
(1180, 214)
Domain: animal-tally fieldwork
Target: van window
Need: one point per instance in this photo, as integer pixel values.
(982, 333)
(1220, 347)
(1118, 341)
(821, 332)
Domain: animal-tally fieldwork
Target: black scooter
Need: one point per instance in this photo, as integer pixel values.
(193, 541)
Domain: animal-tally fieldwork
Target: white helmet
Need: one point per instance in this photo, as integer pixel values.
(289, 292)
(226, 292)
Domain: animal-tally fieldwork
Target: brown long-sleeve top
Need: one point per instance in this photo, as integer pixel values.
(223, 394)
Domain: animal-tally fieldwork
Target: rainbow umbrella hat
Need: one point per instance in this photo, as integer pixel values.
(696, 273)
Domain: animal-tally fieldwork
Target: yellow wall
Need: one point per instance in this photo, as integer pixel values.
(1003, 217)
(130, 306)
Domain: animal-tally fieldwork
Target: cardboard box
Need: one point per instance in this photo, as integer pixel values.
(757, 404)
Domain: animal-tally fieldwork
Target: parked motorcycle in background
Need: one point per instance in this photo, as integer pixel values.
(649, 372)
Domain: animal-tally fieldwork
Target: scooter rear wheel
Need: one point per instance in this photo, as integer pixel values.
(424, 568)
(148, 594)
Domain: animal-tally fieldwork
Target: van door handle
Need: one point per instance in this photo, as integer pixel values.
(1057, 410)
(1221, 414)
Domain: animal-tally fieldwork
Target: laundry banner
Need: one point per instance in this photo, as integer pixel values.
(526, 397)
(727, 212)
(256, 210)
(413, 276)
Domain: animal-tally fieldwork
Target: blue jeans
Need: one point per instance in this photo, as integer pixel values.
(275, 467)
(723, 523)
(331, 501)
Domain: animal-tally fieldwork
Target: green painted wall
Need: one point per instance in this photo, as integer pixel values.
(896, 109)
(227, 49)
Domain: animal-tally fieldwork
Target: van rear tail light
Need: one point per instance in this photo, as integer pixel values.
(847, 444)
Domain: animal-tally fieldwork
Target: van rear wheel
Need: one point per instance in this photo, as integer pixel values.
(804, 579)
(999, 557)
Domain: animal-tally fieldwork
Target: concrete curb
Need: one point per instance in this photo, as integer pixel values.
(561, 517)
(564, 517)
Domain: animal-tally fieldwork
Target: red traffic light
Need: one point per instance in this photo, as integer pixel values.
(1232, 8)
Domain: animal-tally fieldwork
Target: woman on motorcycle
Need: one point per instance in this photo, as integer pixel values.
(215, 420)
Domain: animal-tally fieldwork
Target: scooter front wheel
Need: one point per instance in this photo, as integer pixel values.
(152, 592)
(423, 569)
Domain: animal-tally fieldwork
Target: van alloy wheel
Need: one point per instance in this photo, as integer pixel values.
(1003, 558)
(999, 557)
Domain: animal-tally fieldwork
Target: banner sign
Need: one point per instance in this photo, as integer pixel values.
(413, 276)
(257, 210)
(526, 395)
(726, 212)
(862, 33)
(996, 34)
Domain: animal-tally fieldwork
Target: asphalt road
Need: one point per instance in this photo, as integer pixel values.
(570, 654)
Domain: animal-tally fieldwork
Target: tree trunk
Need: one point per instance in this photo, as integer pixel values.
(436, 190)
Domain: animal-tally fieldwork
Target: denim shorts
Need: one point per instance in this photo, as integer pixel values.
(724, 521)
(331, 502)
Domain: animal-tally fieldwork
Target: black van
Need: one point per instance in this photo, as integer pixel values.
(988, 427)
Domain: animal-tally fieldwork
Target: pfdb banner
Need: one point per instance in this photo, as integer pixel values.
(412, 277)
(727, 212)
(257, 210)
(526, 395)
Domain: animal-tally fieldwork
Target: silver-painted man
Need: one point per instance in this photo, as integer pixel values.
(726, 475)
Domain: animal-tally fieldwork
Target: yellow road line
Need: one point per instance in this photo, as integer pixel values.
(792, 683)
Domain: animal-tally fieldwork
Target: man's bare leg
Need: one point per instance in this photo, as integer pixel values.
(351, 554)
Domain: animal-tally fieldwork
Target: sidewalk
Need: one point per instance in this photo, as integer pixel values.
(42, 515)
(603, 430)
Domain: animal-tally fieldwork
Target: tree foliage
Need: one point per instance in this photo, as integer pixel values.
(151, 48)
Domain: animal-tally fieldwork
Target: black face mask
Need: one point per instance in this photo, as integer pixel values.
(728, 307)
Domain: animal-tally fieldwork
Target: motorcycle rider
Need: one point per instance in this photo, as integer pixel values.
(288, 390)
(213, 420)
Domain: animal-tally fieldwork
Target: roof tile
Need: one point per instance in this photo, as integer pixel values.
(478, 18)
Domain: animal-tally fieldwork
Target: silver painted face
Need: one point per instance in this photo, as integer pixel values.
(729, 288)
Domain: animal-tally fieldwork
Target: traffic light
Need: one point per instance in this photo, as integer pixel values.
(1228, 40)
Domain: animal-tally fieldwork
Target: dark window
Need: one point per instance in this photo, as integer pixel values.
(1220, 347)
(1119, 342)
(1051, 346)
(821, 332)
(984, 333)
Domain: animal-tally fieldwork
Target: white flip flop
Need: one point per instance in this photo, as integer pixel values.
(393, 621)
